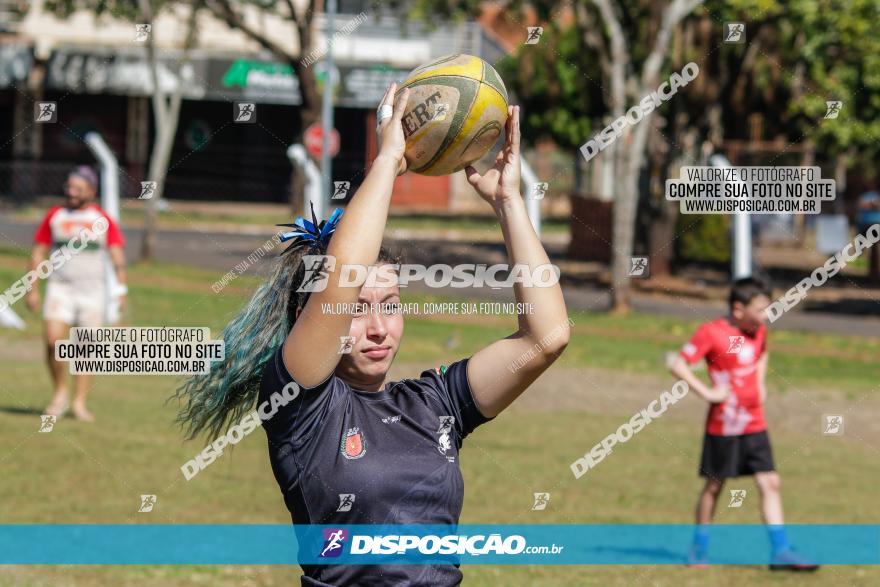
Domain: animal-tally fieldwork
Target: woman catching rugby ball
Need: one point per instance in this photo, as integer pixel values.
(394, 445)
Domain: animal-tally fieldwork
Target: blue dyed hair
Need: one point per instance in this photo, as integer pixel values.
(212, 401)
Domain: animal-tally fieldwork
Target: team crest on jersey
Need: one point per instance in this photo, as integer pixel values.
(444, 444)
(353, 445)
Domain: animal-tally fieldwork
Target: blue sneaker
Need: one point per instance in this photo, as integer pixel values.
(698, 558)
(788, 560)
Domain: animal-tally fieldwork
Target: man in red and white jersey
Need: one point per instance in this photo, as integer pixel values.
(736, 442)
(76, 290)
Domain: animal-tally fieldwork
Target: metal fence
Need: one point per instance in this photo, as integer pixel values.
(246, 180)
(21, 181)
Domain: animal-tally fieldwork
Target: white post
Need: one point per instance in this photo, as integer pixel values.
(110, 204)
(533, 205)
(327, 103)
(741, 257)
(312, 194)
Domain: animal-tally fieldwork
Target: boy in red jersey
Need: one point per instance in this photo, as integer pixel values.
(75, 290)
(736, 441)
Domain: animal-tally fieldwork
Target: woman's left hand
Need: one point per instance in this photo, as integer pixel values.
(501, 182)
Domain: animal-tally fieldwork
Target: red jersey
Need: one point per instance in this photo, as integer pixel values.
(62, 224)
(732, 358)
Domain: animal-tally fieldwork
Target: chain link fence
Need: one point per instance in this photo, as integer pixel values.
(22, 182)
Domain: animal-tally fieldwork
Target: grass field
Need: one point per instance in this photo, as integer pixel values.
(95, 473)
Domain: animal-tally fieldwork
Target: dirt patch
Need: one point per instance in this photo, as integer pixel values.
(792, 411)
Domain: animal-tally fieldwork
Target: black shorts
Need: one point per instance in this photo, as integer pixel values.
(735, 456)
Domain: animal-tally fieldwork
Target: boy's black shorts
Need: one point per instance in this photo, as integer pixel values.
(735, 456)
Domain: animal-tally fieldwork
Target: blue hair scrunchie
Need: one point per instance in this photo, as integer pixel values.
(311, 233)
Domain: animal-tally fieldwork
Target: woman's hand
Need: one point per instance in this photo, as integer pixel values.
(390, 131)
(501, 182)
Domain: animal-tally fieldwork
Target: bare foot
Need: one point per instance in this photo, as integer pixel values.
(57, 407)
(82, 414)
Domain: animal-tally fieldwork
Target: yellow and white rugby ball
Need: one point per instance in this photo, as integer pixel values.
(456, 111)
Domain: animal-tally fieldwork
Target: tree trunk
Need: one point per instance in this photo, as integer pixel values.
(625, 205)
(158, 171)
(166, 114)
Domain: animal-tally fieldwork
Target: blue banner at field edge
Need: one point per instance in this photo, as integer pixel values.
(546, 544)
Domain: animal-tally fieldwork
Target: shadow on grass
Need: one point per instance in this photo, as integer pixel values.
(19, 411)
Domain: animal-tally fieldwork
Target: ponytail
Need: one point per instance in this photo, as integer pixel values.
(213, 400)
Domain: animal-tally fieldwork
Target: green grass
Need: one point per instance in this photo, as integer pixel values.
(182, 296)
(95, 473)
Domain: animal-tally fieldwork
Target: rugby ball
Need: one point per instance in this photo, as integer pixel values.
(456, 111)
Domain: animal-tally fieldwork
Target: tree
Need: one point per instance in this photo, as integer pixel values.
(166, 107)
(629, 83)
(797, 56)
(166, 113)
(297, 55)
(238, 16)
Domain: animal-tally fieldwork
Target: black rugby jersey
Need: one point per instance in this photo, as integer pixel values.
(347, 456)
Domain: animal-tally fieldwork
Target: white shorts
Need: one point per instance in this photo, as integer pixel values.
(75, 305)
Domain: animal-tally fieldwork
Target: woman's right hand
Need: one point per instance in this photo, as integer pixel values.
(390, 131)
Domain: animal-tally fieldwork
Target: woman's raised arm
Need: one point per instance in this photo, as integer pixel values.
(504, 369)
(311, 349)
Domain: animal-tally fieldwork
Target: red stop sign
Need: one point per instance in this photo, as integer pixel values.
(314, 139)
